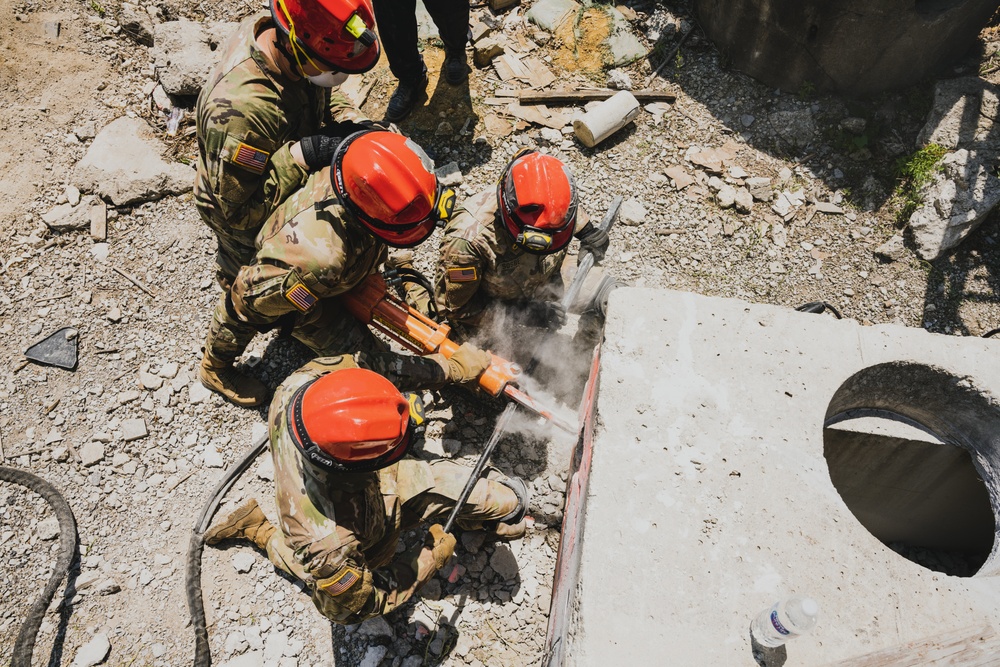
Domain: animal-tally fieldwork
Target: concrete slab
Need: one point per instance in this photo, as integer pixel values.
(710, 497)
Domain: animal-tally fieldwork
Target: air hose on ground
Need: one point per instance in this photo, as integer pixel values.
(192, 584)
(24, 645)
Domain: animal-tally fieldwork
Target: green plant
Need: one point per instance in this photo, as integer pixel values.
(914, 173)
(98, 9)
(806, 91)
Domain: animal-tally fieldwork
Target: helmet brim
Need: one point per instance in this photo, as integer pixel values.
(407, 238)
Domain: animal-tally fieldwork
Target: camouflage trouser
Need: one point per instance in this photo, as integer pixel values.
(490, 500)
(327, 329)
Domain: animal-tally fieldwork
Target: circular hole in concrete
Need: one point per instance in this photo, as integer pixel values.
(912, 449)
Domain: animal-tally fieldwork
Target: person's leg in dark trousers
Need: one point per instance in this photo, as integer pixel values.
(452, 20)
(397, 27)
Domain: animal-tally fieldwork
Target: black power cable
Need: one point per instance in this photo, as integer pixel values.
(819, 307)
(192, 582)
(24, 645)
(990, 334)
(396, 278)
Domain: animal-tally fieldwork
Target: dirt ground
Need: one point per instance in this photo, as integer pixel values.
(135, 508)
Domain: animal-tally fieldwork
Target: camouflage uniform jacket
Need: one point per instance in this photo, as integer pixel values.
(479, 263)
(310, 249)
(248, 116)
(342, 527)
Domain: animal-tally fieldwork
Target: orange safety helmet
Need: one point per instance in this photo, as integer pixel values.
(332, 35)
(536, 196)
(353, 420)
(387, 182)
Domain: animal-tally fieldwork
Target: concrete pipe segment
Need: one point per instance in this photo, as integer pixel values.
(855, 47)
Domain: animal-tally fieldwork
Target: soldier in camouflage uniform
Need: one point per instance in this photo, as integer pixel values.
(328, 237)
(265, 118)
(344, 493)
(504, 254)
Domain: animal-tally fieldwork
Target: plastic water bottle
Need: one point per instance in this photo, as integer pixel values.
(786, 619)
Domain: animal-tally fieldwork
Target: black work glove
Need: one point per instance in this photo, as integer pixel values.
(541, 314)
(593, 239)
(318, 150)
(345, 128)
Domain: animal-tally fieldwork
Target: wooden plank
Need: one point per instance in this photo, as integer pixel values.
(539, 75)
(558, 97)
(969, 647)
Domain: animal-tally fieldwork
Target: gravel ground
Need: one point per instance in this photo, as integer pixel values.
(135, 496)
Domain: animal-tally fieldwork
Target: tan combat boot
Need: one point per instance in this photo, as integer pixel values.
(235, 386)
(247, 522)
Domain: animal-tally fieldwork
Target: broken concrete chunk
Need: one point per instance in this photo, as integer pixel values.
(619, 80)
(632, 212)
(964, 113)
(92, 453)
(726, 196)
(93, 652)
(744, 200)
(959, 197)
(184, 53)
(135, 23)
(67, 217)
(449, 174)
(134, 429)
(124, 165)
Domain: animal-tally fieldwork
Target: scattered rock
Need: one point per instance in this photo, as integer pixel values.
(249, 659)
(93, 652)
(795, 126)
(760, 188)
(67, 217)
(892, 250)
(709, 159)
(619, 80)
(236, 642)
(149, 381)
(92, 453)
(679, 176)
(48, 529)
(243, 561)
(108, 587)
(827, 207)
(184, 53)
(134, 429)
(855, 126)
(744, 200)
(212, 458)
(124, 165)
(726, 196)
(957, 200)
(504, 563)
(449, 174)
(373, 656)
(632, 212)
(376, 627)
(198, 393)
(135, 23)
(623, 47)
(265, 470)
(964, 114)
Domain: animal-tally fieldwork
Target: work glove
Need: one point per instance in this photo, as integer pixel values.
(441, 544)
(318, 150)
(468, 363)
(542, 314)
(594, 240)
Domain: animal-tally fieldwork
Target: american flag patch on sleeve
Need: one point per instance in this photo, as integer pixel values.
(341, 581)
(301, 297)
(250, 158)
(462, 274)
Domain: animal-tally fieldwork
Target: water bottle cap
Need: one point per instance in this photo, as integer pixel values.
(809, 607)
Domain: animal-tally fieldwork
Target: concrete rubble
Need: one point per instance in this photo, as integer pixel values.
(124, 165)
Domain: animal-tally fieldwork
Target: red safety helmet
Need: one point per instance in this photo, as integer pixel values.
(536, 195)
(353, 420)
(332, 35)
(387, 182)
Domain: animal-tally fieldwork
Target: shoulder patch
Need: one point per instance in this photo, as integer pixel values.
(340, 582)
(250, 158)
(462, 274)
(301, 297)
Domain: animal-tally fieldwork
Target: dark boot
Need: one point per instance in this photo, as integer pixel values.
(405, 97)
(456, 68)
